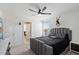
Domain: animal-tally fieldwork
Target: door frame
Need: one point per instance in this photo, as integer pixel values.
(30, 26)
(30, 29)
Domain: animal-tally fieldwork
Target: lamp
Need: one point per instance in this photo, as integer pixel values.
(45, 30)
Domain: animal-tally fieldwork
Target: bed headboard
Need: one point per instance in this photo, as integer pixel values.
(61, 32)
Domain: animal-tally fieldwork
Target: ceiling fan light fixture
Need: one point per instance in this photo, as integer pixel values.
(40, 11)
(39, 14)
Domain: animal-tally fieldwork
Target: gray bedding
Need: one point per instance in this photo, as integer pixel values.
(58, 44)
(50, 41)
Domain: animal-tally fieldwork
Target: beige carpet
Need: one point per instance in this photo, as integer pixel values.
(21, 50)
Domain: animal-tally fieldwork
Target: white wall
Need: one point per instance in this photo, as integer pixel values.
(17, 34)
(36, 29)
(37, 24)
(7, 28)
(12, 29)
(70, 20)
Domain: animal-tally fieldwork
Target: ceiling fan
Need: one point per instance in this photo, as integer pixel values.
(40, 11)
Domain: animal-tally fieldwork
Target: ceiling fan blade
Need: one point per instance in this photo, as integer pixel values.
(34, 15)
(33, 11)
(46, 13)
(44, 9)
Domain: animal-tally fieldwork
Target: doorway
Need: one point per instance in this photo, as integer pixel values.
(27, 33)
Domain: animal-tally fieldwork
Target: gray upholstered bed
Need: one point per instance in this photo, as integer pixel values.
(55, 43)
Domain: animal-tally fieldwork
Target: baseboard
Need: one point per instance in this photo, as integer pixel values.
(75, 47)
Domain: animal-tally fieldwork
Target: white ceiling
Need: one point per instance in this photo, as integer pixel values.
(20, 10)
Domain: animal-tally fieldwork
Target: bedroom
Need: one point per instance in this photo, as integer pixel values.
(18, 13)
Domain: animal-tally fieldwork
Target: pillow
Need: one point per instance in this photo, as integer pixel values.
(55, 37)
(52, 36)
